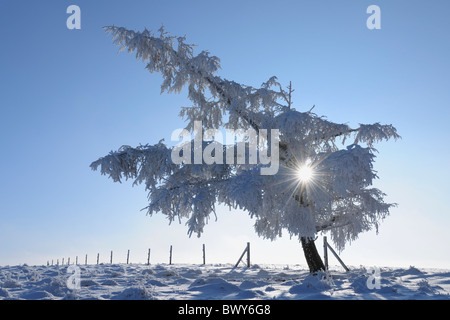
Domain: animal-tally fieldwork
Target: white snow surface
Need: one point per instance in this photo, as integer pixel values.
(220, 282)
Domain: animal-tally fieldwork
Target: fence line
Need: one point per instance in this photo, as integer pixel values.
(246, 251)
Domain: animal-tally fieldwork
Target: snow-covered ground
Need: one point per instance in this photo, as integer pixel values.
(219, 281)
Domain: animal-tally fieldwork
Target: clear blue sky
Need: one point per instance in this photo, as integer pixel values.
(67, 98)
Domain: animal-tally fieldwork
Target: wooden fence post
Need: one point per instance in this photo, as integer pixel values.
(204, 255)
(111, 256)
(148, 257)
(98, 257)
(85, 260)
(337, 257)
(325, 252)
(248, 254)
(247, 250)
(128, 256)
(170, 255)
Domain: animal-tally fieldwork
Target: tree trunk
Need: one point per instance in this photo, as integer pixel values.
(313, 258)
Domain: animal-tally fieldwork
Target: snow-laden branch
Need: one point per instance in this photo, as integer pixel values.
(179, 67)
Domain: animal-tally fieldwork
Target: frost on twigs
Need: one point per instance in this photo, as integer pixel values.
(338, 199)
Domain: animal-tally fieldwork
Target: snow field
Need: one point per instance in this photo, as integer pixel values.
(218, 282)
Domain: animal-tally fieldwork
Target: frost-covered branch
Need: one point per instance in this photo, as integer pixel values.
(179, 67)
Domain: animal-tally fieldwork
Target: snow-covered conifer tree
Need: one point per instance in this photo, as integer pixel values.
(318, 188)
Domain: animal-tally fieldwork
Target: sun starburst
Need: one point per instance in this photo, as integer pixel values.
(305, 173)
